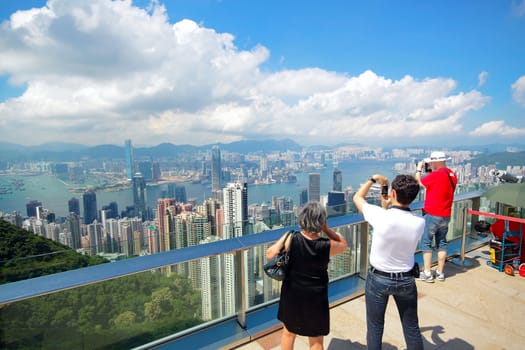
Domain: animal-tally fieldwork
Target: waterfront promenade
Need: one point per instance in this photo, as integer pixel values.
(477, 307)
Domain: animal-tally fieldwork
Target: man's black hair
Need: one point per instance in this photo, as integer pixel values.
(407, 188)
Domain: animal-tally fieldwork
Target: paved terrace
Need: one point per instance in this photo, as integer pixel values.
(477, 307)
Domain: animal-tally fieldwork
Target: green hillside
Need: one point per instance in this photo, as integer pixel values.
(24, 255)
(501, 160)
(117, 314)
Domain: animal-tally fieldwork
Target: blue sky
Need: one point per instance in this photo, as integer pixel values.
(382, 73)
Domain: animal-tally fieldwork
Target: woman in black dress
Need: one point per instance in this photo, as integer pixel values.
(303, 306)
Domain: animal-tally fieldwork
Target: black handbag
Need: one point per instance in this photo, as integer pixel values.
(276, 268)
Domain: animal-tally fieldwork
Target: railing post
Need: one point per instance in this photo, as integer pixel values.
(240, 288)
(363, 248)
(476, 202)
(464, 238)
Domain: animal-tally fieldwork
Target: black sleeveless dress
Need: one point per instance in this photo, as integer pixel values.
(303, 305)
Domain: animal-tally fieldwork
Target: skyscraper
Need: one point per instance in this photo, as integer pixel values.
(164, 216)
(314, 187)
(130, 168)
(218, 280)
(73, 226)
(74, 206)
(145, 167)
(111, 210)
(336, 203)
(303, 197)
(139, 196)
(216, 169)
(32, 208)
(338, 180)
(235, 204)
(90, 206)
(178, 192)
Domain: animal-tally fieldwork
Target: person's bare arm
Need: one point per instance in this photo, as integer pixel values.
(338, 243)
(275, 248)
(419, 170)
(359, 196)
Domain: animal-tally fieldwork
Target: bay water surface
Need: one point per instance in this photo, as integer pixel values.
(54, 194)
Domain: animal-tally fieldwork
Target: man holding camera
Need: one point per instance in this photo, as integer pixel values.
(395, 237)
(440, 183)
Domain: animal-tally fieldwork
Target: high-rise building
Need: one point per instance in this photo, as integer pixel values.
(111, 210)
(139, 196)
(303, 197)
(216, 180)
(178, 192)
(130, 167)
(112, 233)
(95, 236)
(145, 167)
(209, 210)
(336, 203)
(32, 208)
(74, 206)
(314, 187)
(235, 204)
(73, 226)
(218, 280)
(89, 199)
(338, 180)
(165, 220)
(156, 173)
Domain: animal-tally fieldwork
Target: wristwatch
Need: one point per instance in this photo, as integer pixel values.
(373, 180)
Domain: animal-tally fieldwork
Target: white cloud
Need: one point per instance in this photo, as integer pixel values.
(482, 78)
(518, 91)
(497, 128)
(102, 71)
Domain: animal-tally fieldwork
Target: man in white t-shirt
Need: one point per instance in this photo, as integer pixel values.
(395, 237)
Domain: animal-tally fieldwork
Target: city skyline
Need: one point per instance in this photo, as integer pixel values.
(202, 72)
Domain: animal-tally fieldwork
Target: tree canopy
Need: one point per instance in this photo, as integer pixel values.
(25, 255)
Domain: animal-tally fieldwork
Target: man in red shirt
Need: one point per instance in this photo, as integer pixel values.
(440, 183)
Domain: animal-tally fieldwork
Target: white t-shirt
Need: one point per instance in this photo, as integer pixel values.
(395, 236)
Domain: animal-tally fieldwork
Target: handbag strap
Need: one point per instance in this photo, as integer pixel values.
(284, 242)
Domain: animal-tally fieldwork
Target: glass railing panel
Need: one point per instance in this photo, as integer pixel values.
(125, 312)
(266, 289)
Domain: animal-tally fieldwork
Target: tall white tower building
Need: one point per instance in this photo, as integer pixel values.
(235, 202)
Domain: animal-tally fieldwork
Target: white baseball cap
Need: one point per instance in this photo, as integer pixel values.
(437, 157)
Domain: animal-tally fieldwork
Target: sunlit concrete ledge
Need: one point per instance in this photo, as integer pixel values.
(477, 307)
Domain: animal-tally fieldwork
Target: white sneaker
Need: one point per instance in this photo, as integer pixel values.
(440, 276)
(427, 278)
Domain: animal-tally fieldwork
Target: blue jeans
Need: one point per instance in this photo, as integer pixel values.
(436, 228)
(377, 290)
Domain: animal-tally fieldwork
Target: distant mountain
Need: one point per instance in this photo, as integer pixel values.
(70, 152)
(265, 146)
(102, 151)
(500, 160)
(63, 152)
(60, 147)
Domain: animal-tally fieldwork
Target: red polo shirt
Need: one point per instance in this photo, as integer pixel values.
(439, 187)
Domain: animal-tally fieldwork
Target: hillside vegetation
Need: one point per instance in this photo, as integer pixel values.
(24, 255)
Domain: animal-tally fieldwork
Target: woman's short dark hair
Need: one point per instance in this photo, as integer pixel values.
(312, 217)
(407, 188)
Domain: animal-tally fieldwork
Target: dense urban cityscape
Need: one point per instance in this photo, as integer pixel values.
(176, 220)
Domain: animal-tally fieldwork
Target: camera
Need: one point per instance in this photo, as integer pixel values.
(384, 190)
(428, 168)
